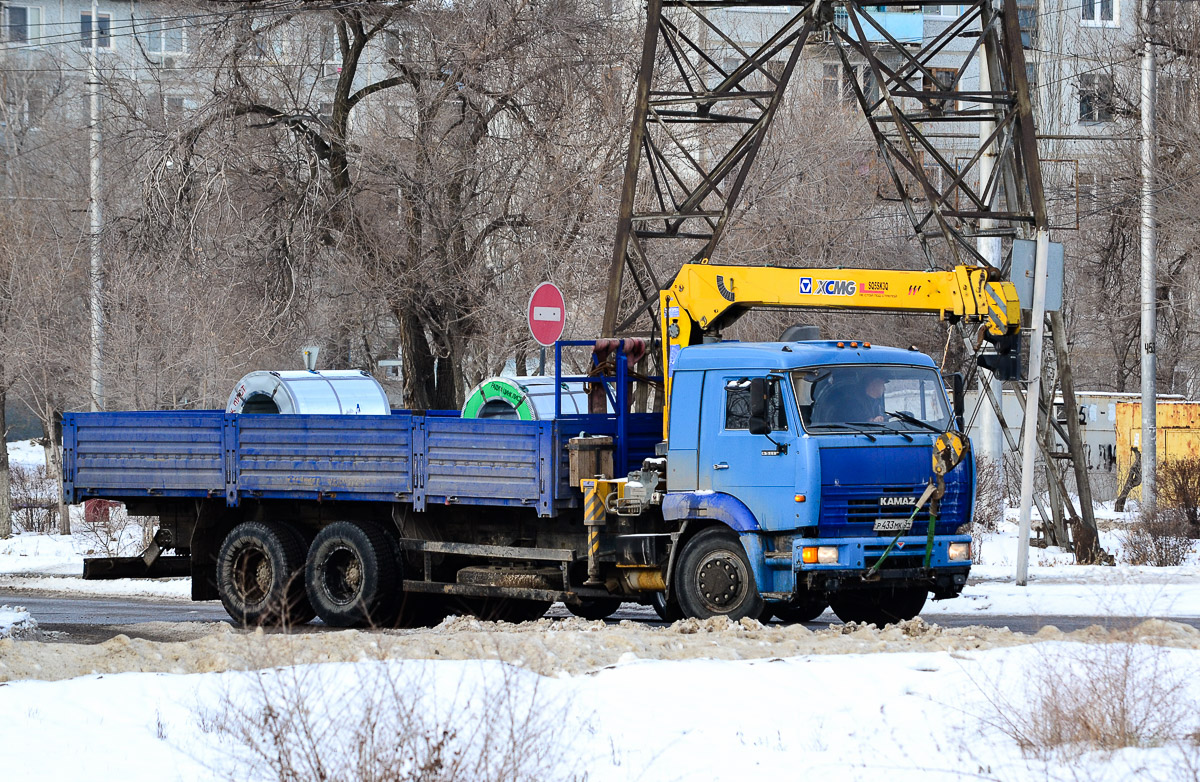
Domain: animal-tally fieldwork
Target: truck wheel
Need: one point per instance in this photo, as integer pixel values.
(352, 576)
(668, 611)
(504, 609)
(879, 607)
(713, 577)
(422, 610)
(595, 607)
(259, 575)
(804, 610)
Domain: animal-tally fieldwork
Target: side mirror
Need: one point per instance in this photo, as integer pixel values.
(957, 396)
(758, 407)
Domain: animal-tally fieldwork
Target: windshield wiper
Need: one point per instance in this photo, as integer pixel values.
(884, 427)
(912, 419)
(863, 432)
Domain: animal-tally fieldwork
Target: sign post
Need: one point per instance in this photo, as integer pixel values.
(547, 314)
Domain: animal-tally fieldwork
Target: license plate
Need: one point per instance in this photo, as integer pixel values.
(892, 525)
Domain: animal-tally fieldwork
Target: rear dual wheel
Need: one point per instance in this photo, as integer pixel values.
(260, 575)
(353, 576)
(595, 607)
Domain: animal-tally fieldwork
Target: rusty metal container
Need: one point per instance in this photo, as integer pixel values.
(1178, 433)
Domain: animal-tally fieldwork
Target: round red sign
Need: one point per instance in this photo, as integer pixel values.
(547, 313)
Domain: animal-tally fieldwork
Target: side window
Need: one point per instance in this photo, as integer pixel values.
(737, 405)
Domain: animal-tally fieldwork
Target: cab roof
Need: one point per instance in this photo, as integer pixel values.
(792, 355)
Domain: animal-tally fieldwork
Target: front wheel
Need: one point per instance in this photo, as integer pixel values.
(879, 606)
(713, 577)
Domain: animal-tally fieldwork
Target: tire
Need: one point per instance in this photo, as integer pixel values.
(352, 576)
(418, 609)
(804, 610)
(301, 611)
(492, 609)
(668, 611)
(713, 577)
(879, 607)
(595, 607)
(260, 568)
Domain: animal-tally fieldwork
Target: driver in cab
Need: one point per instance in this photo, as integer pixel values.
(865, 402)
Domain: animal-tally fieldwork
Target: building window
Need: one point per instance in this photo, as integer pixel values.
(163, 36)
(174, 109)
(24, 23)
(944, 80)
(942, 10)
(831, 82)
(1100, 12)
(103, 30)
(1027, 20)
(1175, 98)
(1095, 98)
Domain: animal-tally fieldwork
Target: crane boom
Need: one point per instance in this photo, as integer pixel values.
(705, 298)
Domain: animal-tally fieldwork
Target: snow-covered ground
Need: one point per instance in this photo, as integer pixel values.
(906, 716)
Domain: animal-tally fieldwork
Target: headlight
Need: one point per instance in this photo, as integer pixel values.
(819, 555)
(959, 552)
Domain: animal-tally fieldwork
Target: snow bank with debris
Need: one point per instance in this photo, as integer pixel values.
(15, 622)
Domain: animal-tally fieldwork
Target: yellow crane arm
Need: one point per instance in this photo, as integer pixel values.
(705, 298)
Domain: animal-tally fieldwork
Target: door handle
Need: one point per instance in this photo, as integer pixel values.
(721, 466)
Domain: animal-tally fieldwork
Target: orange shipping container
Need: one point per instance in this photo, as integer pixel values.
(1178, 434)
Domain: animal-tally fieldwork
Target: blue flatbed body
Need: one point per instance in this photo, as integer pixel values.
(422, 458)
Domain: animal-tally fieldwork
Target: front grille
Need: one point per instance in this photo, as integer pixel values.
(854, 509)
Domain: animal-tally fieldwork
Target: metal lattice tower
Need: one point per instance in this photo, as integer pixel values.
(705, 102)
(704, 105)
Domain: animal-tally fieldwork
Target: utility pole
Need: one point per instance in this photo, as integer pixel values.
(1149, 262)
(96, 276)
(1033, 394)
(991, 437)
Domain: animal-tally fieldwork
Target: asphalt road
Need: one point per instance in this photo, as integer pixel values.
(94, 619)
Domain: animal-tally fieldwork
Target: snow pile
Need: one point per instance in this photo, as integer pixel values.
(15, 622)
(546, 646)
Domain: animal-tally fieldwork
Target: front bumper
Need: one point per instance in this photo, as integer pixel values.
(905, 564)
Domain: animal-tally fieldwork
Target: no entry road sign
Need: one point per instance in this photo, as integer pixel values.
(547, 313)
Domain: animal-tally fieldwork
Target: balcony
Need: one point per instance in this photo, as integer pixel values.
(907, 27)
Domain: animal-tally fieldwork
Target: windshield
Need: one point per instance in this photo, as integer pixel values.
(872, 398)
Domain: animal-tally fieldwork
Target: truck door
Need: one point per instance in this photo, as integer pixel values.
(749, 466)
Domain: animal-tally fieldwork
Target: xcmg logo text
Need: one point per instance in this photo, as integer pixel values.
(827, 287)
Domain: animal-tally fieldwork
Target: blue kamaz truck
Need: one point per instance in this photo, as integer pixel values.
(793, 476)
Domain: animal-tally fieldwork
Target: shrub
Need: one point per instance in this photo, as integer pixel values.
(1098, 697)
(1179, 489)
(381, 720)
(1161, 538)
(34, 499)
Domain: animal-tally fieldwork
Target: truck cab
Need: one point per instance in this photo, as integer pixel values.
(820, 482)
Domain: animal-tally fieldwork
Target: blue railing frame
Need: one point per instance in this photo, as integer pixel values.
(618, 395)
